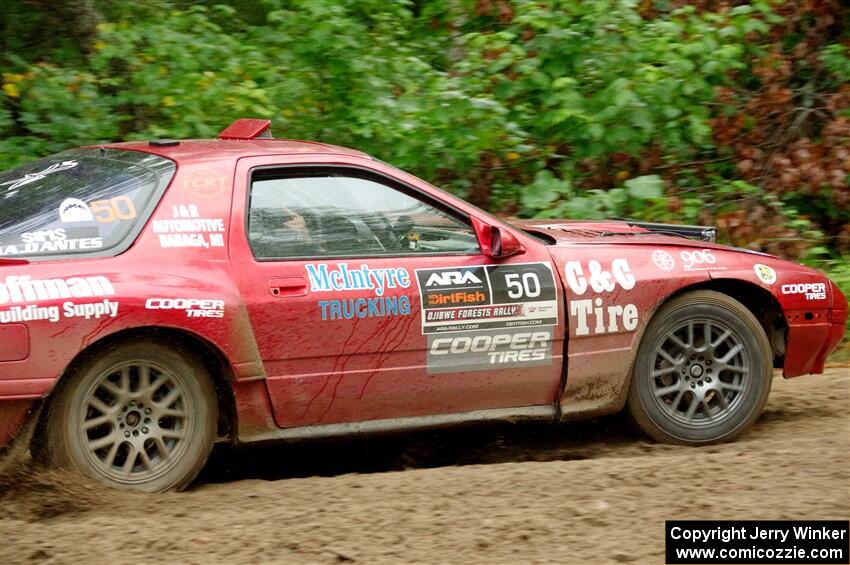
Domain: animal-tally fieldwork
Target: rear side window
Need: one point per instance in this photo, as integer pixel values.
(80, 202)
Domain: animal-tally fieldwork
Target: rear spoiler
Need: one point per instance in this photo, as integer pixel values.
(702, 233)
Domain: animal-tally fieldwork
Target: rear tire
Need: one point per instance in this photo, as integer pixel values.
(703, 371)
(141, 416)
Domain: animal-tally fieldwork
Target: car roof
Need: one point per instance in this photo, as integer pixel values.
(203, 149)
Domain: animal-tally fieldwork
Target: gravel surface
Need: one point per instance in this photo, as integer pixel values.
(592, 492)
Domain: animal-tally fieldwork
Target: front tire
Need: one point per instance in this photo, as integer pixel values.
(141, 416)
(703, 371)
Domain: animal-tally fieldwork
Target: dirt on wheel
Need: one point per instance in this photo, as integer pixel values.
(593, 492)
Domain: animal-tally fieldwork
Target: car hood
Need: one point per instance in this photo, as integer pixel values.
(573, 232)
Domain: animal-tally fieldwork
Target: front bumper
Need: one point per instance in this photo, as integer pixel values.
(810, 341)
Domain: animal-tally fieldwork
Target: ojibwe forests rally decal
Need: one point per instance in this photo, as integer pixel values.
(20, 297)
(488, 317)
(456, 299)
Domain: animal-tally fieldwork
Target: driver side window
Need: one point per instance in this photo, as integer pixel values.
(336, 214)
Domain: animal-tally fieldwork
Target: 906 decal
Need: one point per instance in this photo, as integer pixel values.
(692, 260)
(460, 299)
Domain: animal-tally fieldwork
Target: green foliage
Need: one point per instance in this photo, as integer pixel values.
(549, 197)
(836, 57)
(547, 109)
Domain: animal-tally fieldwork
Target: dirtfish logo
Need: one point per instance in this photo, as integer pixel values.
(340, 277)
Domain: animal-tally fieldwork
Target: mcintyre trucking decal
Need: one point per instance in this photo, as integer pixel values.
(341, 277)
(593, 313)
(17, 292)
(489, 349)
(461, 299)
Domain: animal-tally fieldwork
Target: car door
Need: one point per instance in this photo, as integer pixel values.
(371, 299)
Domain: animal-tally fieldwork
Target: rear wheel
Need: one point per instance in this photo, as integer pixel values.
(703, 370)
(141, 416)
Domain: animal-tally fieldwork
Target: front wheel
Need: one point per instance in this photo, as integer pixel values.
(140, 416)
(703, 371)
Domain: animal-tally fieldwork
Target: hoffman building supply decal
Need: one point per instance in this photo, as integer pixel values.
(458, 299)
(194, 307)
(592, 315)
(488, 350)
(188, 229)
(21, 290)
(812, 291)
(54, 241)
(338, 278)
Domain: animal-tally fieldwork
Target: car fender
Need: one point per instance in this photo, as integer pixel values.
(806, 298)
(606, 320)
(612, 291)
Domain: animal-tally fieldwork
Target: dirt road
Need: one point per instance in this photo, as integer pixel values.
(585, 493)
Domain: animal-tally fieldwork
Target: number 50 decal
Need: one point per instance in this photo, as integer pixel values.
(114, 209)
(530, 285)
(521, 282)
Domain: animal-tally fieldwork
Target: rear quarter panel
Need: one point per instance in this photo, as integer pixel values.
(176, 275)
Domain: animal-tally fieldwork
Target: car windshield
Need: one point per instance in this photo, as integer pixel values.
(83, 201)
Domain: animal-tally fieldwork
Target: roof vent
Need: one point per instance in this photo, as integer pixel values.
(163, 142)
(247, 128)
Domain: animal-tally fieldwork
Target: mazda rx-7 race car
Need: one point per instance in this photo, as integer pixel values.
(157, 297)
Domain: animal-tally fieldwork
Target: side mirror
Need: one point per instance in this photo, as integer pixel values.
(496, 242)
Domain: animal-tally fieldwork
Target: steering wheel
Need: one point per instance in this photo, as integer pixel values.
(383, 231)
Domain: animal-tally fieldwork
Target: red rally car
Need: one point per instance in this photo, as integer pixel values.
(157, 297)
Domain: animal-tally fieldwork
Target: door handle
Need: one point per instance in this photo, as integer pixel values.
(288, 286)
